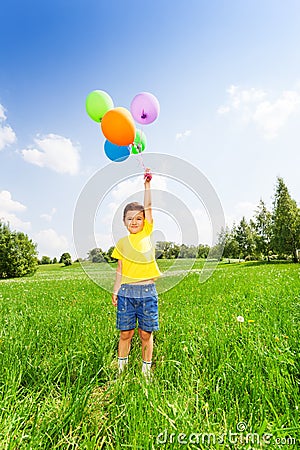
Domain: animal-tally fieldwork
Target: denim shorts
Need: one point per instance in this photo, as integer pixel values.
(137, 302)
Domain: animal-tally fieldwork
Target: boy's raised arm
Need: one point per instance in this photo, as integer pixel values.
(147, 196)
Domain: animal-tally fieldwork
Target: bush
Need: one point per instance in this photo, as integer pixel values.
(66, 259)
(18, 254)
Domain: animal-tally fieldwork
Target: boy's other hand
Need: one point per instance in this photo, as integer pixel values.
(114, 299)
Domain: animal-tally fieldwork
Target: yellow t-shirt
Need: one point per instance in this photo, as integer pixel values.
(138, 256)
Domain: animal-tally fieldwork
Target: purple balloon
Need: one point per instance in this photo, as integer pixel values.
(144, 108)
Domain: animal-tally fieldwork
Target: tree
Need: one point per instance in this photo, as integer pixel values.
(66, 259)
(231, 249)
(97, 255)
(262, 225)
(202, 251)
(18, 254)
(167, 250)
(245, 239)
(227, 241)
(285, 222)
(54, 261)
(159, 249)
(108, 254)
(171, 250)
(46, 260)
(188, 251)
(217, 250)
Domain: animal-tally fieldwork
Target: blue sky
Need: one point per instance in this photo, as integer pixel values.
(226, 74)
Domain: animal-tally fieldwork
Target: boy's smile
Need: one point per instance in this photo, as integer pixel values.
(134, 221)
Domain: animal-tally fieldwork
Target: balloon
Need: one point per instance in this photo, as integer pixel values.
(115, 152)
(97, 104)
(139, 143)
(118, 126)
(144, 108)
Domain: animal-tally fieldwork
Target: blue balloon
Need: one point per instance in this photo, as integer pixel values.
(116, 153)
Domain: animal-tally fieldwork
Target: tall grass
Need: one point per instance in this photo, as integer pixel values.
(212, 375)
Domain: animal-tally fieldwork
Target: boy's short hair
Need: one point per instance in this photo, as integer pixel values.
(133, 206)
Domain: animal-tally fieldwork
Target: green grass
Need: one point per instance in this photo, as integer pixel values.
(58, 374)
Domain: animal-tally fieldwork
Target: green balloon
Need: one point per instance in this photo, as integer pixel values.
(97, 104)
(139, 143)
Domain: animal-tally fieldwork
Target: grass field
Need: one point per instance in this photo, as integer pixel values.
(217, 383)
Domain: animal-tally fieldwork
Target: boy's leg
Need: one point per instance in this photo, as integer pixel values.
(148, 322)
(124, 343)
(124, 348)
(126, 322)
(147, 344)
(147, 351)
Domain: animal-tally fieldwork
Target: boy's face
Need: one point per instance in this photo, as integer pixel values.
(134, 221)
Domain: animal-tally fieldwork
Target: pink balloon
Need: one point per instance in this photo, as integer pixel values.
(144, 108)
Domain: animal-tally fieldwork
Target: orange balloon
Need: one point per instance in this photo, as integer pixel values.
(118, 126)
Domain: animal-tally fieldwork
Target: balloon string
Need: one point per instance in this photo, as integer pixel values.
(141, 161)
(140, 151)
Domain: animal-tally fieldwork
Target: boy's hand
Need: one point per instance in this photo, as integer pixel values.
(147, 176)
(114, 299)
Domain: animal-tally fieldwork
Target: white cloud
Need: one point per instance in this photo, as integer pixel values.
(241, 97)
(8, 208)
(183, 135)
(48, 216)
(254, 106)
(8, 204)
(15, 223)
(7, 134)
(54, 152)
(50, 243)
(273, 116)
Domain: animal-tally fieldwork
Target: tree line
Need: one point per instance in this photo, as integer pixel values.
(65, 259)
(269, 234)
(164, 249)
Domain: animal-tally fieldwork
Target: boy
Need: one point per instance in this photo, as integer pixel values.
(134, 291)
